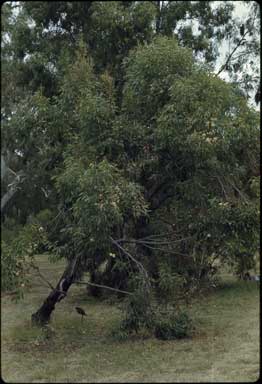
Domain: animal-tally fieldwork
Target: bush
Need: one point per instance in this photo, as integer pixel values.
(146, 319)
(16, 253)
(170, 284)
(244, 263)
(139, 316)
(171, 325)
(12, 271)
(10, 229)
(139, 313)
(120, 334)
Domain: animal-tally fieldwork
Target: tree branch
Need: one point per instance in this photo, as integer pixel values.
(140, 266)
(152, 242)
(43, 278)
(231, 54)
(165, 250)
(238, 191)
(222, 187)
(36, 268)
(103, 286)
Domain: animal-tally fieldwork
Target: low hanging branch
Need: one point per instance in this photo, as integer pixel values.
(103, 286)
(153, 242)
(44, 279)
(42, 316)
(166, 250)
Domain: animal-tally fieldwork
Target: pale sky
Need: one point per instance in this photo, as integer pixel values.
(241, 12)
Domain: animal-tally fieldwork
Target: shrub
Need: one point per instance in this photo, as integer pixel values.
(244, 263)
(139, 313)
(170, 284)
(120, 334)
(10, 229)
(12, 271)
(145, 318)
(16, 253)
(172, 325)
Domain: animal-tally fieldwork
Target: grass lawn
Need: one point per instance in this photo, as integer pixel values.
(224, 347)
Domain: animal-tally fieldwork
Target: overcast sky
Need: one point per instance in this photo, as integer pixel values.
(241, 12)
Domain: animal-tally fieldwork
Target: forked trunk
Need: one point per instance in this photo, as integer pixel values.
(42, 316)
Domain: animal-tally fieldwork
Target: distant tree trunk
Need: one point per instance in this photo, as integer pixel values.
(42, 316)
(114, 276)
(12, 189)
(7, 196)
(95, 278)
(158, 16)
(258, 95)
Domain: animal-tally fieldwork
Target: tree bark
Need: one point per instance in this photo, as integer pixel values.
(43, 315)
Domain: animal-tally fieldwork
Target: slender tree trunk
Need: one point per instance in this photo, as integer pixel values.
(95, 278)
(42, 316)
(7, 196)
(158, 16)
(12, 190)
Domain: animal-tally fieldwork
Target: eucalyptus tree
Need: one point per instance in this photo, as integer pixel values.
(167, 179)
(147, 160)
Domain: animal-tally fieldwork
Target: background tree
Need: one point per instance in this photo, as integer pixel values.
(38, 38)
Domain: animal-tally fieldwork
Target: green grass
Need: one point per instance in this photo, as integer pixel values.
(224, 347)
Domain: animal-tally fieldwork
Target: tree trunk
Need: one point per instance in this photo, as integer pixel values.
(95, 278)
(12, 189)
(42, 316)
(158, 16)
